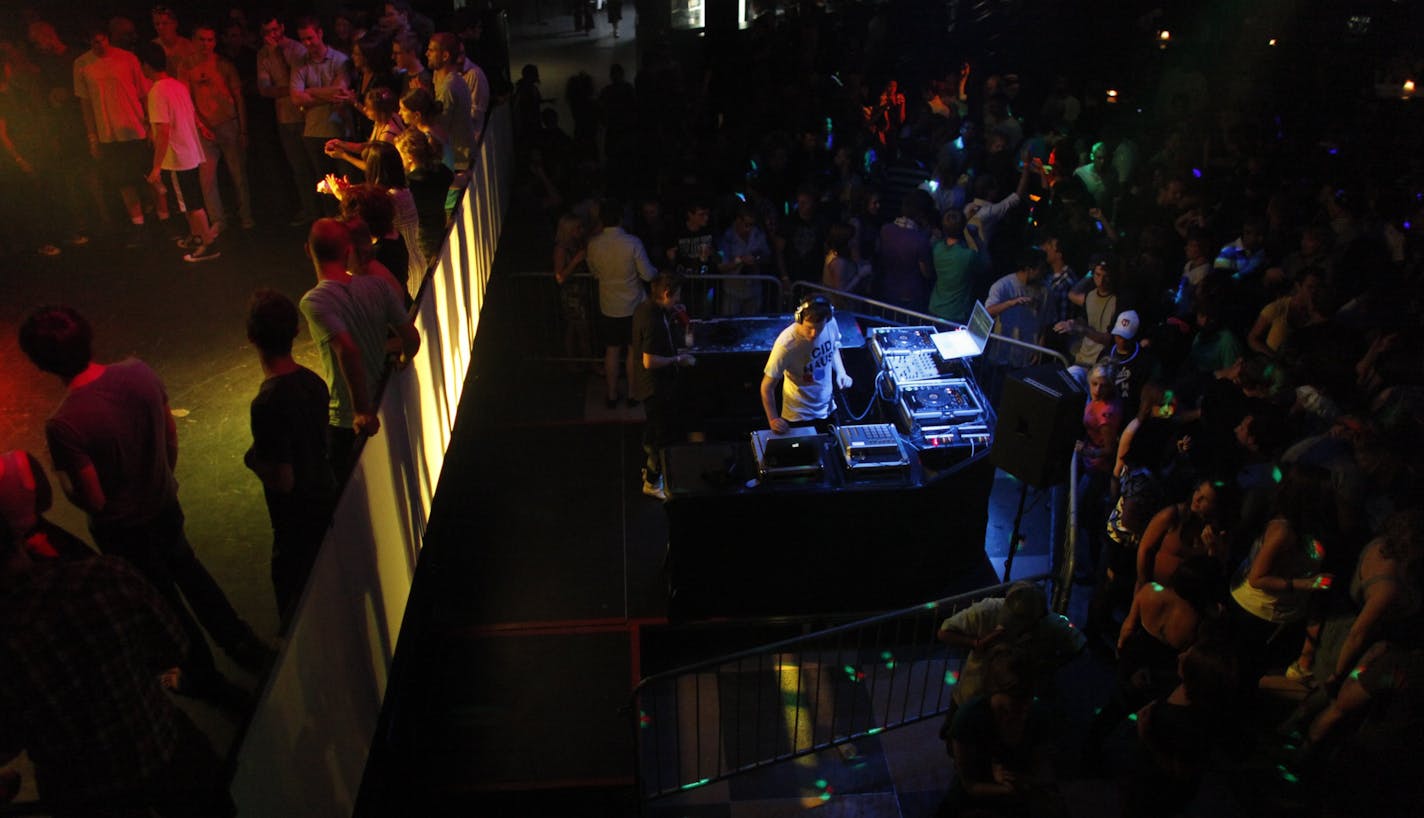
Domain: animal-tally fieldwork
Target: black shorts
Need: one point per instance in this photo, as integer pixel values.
(615, 332)
(187, 187)
(122, 164)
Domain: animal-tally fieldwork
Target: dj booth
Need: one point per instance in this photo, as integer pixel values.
(878, 513)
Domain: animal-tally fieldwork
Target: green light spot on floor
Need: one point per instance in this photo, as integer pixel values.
(1132, 717)
(1276, 474)
(825, 796)
(872, 731)
(885, 654)
(951, 678)
(930, 606)
(821, 783)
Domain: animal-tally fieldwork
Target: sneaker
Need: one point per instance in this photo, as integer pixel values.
(654, 489)
(206, 252)
(188, 242)
(49, 250)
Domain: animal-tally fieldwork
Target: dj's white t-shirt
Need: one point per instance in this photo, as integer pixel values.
(806, 372)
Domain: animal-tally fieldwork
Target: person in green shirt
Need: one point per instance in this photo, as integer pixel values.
(1215, 348)
(954, 265)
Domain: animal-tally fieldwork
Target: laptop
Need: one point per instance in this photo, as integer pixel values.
(795, 453)
(969, 340)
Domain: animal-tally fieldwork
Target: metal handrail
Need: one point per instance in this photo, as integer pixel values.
(902, 315)
(542, 321)
(899, 676)
(921, 317)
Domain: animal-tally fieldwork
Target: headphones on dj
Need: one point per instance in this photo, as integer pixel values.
(816, 303)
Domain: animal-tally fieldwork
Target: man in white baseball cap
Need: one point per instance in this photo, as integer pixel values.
(1135, 364)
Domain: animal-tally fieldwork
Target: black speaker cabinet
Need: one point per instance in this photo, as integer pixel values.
(1040, 418)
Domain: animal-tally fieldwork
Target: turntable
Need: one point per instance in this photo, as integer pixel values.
(937, 403)
(892, 342)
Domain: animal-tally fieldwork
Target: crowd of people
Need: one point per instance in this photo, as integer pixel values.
(1241, 302)
(107, 638)
(1246, 323)
(161, 115)
(104, 636)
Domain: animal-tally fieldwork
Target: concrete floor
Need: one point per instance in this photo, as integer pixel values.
(186, 321)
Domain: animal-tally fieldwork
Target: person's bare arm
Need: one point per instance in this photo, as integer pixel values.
(565, 262)
(83, 488)
(234, 86)
(323, 95)
(1004, 306)
(162, 134)
(353, 371)
(1277, 539)
(90, 126)
(10, 148)
(346, 151)
(768, 404)
(1378, 599)
(1353, 698)
(410, 339)
(318, 95)
(843, 378)
(1124, 442)
(1259, 332)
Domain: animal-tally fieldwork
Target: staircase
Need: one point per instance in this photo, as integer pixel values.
(847, 713)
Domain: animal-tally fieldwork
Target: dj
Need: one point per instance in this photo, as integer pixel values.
(806, 356)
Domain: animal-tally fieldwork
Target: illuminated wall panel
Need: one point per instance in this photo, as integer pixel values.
(305, 750)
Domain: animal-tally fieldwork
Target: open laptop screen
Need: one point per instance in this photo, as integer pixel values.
(968, 341)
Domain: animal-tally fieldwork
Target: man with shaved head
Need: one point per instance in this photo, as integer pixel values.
(349, 317)
(445, 59)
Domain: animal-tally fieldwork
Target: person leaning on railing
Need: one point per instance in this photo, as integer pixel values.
(1020, 618)
(1001, 744)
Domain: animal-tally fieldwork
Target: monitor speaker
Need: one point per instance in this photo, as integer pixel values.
(1040, 419)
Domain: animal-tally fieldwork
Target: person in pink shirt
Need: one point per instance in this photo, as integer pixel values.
(1097, 452)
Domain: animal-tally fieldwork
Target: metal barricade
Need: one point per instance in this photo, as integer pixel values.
(560, 322)
(711, 720)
